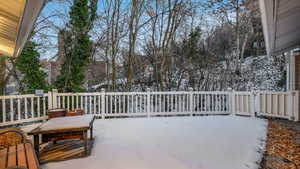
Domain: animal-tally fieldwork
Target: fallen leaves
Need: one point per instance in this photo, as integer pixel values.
(282, 150)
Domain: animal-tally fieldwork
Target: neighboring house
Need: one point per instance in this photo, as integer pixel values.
(95, 72)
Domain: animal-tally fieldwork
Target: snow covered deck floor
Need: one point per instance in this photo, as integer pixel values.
(209, 142)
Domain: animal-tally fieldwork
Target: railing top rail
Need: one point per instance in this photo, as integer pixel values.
(211, 92)
(78, 94)
(142, 93)
(274, 92)
(22, 96)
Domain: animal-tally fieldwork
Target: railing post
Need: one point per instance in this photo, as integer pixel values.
(148, 101)
(54, 98)
(231, 103)
(293, 106)
(252, 103)
(290, 105)
(102, 103)
(191, 101)
(296, 106)
(50, 100)
(258, 103)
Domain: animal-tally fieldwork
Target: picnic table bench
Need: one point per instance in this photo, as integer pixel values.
(16, 151)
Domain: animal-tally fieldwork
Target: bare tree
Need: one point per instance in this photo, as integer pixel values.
(137, 8)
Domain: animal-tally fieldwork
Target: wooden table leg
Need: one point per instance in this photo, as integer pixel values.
(36, 142)
(91, 133)
(85, 139)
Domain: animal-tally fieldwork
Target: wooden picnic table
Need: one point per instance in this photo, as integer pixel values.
(64, 128)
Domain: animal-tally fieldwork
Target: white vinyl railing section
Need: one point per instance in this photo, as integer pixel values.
(243, 103)
(22, 108)
(278, 104)
(145, 103)
(27, 108)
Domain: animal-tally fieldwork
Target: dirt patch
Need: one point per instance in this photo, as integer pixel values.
(283, 148)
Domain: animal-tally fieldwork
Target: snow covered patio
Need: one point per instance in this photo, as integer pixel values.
(197, 142)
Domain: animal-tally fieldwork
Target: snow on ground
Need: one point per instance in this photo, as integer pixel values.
(203, 142)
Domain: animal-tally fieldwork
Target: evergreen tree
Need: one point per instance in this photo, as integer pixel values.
(191, 45)
(2, 74)
(28, 63)
(77, 47)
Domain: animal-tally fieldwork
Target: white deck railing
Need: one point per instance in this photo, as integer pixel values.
(26, 108)
(145, 103)
(278, 104)
(22, 108)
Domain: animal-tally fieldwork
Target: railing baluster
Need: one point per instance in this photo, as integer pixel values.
(127, 103)
(11, 110)
(168, 103)
(123, 103)
(115, 104)
(4, 110)
(19, 108)
(199, 103)
(44, 105)
(136, 102)
(132, 103)
(38, 107)
(85, 104)
(161, 103)
(276, 105)
(172, 101)
(155, 102)
(111, 108)
(81, 102)
(164, 102)
(99, 104)
(175, 105)
(95, 103)
(179, 103)
(158, 102)
(68, 102)
(90, 105)
(58, 101)
(77, 106)
(32, 108)
(221, 103)
(215, 102)
(106, 104)
(72, 102)
(139, 104)
(283, 105)
(26, 108)
(63, 102)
